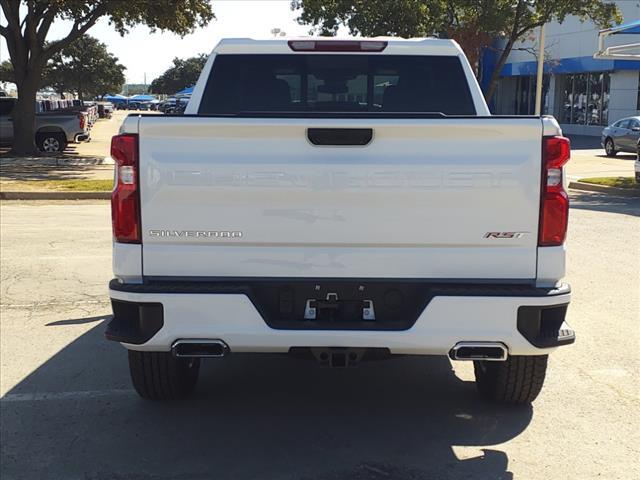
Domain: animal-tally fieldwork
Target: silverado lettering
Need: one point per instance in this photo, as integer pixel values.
(196, 233)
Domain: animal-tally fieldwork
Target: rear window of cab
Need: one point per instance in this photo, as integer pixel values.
(273, 84)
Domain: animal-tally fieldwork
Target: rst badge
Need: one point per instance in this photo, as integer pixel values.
(505, 234)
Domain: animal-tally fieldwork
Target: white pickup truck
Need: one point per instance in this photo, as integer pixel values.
(346, 200)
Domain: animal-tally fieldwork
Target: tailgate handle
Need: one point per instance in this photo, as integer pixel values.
(340, 136)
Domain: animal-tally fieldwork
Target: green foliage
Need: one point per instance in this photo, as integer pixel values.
(74, 185)
(618, 182)
(419, 18)
(183, 73)
(473, 23)
(405, 18)
(6, 72)
(178, 16)
(85, 67)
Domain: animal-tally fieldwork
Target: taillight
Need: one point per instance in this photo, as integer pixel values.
(82, 121)
(337, 45)
(125, 198)
(554, 207)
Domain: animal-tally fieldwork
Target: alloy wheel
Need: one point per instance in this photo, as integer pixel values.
(608, 146)
(51, 144)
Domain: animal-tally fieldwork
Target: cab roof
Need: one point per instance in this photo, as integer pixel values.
(392, 46)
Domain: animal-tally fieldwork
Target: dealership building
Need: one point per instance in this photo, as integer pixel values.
(583, 93)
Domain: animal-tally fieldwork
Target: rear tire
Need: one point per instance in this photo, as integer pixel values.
(610, 147)
(518, 380)
(161, 376)
(51, 142)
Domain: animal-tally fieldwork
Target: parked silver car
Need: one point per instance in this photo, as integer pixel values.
(636, 164)
(54, 129)
(622, 136)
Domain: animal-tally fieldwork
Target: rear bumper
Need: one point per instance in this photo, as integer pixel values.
(529, 321)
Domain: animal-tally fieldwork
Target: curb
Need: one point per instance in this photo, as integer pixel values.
(53, 195)
(55, 162)
(591, 187)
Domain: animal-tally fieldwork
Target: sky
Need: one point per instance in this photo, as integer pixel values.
(145, 53)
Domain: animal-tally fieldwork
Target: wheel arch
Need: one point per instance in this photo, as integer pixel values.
(50, 129)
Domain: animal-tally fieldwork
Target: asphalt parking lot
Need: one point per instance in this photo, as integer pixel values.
(68, 410)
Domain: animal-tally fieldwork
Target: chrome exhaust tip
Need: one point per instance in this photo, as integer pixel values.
(487, 351)
(199, 348)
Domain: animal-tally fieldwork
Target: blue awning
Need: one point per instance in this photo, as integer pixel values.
(142, 98)
(627, 28)
(569, 65)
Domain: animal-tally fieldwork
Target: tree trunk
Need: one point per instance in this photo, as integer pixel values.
(80, 95)
(495, 76)
(24, 117)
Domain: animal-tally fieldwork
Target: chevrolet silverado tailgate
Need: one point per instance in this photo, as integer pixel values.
(440, 198)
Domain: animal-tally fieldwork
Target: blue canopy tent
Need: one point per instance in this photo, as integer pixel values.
(186, 91)
(142, 98)
(115, 98)
(630, 51)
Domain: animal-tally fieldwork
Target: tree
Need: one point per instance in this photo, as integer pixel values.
(84, 67)
(183, 74)
(28, 23)
(6, 72)
(526, 15)
(473, 23)
(87, 68)
(47, 79)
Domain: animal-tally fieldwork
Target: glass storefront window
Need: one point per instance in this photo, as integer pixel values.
(584, 98)
(594, 99)
(579, 110)
(606, 79)
(564, 85)
(525, 102)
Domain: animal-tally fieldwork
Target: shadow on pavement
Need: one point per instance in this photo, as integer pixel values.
(620, 156)
(45, 172)
(252, 416)
(601, 202)
(78, 321)
(584, 142)
(71, 149)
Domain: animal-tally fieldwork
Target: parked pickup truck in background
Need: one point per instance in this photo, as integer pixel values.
(344, 200)
(105, 109)
(54, 129)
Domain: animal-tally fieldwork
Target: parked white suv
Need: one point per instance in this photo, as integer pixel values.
(348, 199)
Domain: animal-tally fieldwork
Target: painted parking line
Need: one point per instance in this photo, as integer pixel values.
(58, 396)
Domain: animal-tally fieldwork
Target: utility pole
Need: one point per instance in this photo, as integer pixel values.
(540, 75)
